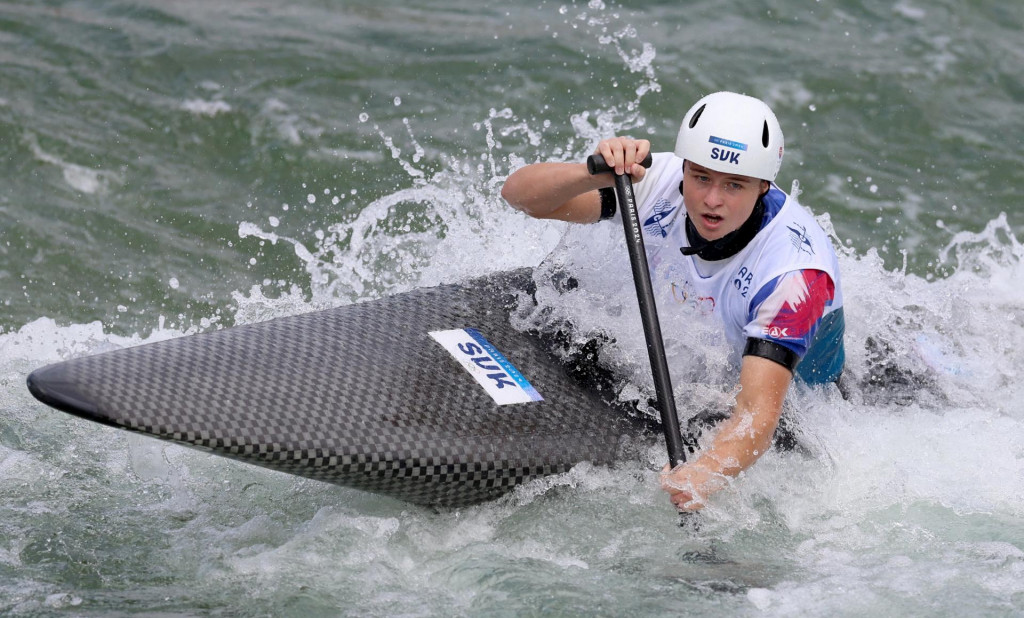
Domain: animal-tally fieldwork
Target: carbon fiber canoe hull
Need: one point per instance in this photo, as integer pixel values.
(362, 396)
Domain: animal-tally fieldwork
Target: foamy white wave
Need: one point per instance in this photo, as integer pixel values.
(904, 499)
(285, 123)
(80, 178)
(44, 341)
(908, 10)
(201, 107)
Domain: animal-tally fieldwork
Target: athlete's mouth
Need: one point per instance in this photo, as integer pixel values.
(712, 218)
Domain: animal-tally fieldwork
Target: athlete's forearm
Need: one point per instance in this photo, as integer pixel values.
(741, 439)
(747, 433)
(565, 191)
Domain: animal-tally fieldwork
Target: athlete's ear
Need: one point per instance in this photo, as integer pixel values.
(765, 187)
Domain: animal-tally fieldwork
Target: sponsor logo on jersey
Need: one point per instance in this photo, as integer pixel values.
(798, 236)
(489, 367)
(776, 332)
(662, 210)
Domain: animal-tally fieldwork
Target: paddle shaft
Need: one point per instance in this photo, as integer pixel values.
(648, 310)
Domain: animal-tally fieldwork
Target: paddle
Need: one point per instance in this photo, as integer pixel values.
(648, 311)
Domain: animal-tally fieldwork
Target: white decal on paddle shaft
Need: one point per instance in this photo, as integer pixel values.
(487, 365)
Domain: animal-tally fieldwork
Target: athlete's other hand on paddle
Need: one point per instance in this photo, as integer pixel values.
(688, 487)
(739, 440)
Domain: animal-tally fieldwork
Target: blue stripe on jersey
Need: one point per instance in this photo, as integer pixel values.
(773, 201)
(761, 296)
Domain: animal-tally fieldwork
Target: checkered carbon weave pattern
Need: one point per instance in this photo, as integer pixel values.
(358, 395)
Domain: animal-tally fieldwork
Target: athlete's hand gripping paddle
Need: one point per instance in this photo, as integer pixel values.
(648, 311)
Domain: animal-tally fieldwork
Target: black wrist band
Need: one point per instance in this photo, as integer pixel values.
(608, 203)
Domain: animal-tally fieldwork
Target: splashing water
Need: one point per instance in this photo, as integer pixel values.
(906, 498)
(450, 223)
(922, 463)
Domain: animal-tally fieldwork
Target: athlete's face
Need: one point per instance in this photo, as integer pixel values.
(716, 202)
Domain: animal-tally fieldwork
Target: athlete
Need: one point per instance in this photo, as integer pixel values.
(724, 242)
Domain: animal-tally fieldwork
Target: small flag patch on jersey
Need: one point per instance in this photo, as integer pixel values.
(489, 367)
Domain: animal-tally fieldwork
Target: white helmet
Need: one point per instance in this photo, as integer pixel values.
(733, 133)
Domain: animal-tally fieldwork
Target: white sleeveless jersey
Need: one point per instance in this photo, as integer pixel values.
(746, 292)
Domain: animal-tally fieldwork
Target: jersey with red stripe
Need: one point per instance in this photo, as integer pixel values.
(783, 286)
(788, 308)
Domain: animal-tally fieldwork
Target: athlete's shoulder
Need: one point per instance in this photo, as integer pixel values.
(665, 167)
(792, 230)
(666, 160)
(658, 192)
(789, 308)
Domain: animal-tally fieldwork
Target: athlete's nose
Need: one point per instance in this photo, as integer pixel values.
(713, 197)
